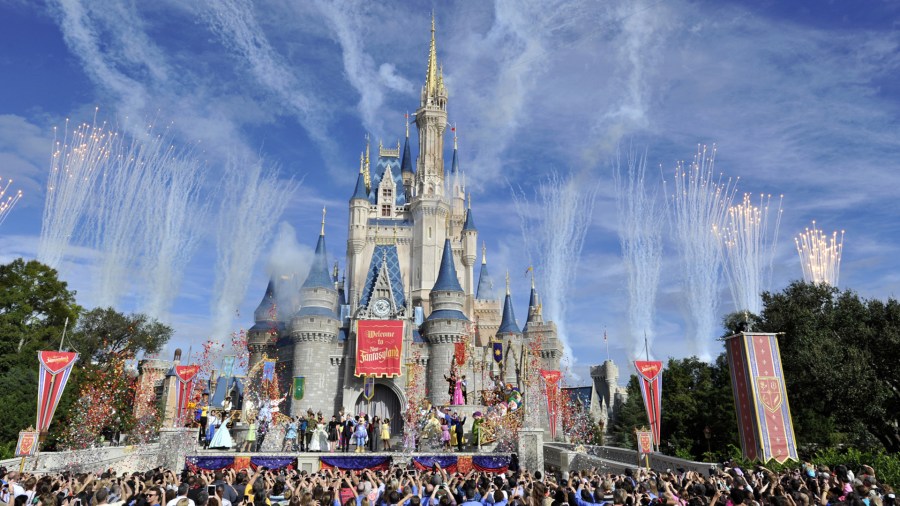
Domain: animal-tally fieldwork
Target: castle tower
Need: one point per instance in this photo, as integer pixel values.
(406, 168)
(606, 380)
(357, 228)
(263, 333)
(313, 329)
(542, 332)
(468, 256)
(444, 327)
(511, 336)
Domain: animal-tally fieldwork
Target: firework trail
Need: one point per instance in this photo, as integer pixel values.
(820, 256)
(7, 203)
(253, 199)
(640, 233)
(555, 239)
(74, 166)
(699, 205)
(749, 250)
(174, 222)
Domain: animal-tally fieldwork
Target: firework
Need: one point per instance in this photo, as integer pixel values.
(749, 250)
(7, 202)
(820, 255)
(253, 199)
(640, 233)
(555, 239)
(699, 206)
(75, 164)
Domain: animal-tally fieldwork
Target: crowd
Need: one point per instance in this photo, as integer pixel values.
(732, 486)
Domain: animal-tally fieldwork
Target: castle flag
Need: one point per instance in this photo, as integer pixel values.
(760, 397)
(185, 375)
(498, 351)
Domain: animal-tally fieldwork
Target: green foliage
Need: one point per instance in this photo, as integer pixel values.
(839, 354)
(104, 333)
(631, 416)
(886, 466)
(34, 305)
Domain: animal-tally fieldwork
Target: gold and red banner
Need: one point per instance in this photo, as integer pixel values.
(551, 378)
(650, 379)
(645, 442)
(379, 346)
(55, 367)
(760, 397)
(27, 444)
(185, 375)
(459, 353)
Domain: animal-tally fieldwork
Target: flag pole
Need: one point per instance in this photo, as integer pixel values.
(646, 346)
(63, 338)
(606, 340)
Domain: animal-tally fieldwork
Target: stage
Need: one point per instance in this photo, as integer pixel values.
(314, 461)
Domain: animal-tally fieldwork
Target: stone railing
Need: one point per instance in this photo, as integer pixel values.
(564, 457)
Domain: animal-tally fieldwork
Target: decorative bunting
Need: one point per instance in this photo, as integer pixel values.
(650, 379)
(55, 367)
(185, 375)
(27, 444)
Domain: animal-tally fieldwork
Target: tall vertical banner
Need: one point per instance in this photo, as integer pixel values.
(369, 387)
(27, 444)
(55, 367)
(650, 379)
(551, 379)
(299, 387)
(268, 372)
(379, 346)
(228, 366)
(185, 375)
(498, 350)
(760, 397)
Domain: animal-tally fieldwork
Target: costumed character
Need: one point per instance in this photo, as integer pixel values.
(250, 440)
(204, 415)
(333, 437)
(212, 421)
(222, 437)
(386, 434)
(476, 427)
(445, 433)
(432, 428)
(319, 442)
(360, 433)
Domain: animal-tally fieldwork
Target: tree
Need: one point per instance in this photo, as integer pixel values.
(839, 355)
(34, 306)
(631, 416)
(104, 333)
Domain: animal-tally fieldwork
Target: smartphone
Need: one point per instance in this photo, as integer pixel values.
(211, 490)
(77, 502)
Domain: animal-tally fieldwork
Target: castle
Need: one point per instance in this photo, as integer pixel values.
(411, 260)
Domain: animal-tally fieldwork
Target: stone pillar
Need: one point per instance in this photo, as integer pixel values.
(530, 449)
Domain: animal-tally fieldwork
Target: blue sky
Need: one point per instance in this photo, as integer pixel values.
(800, 97)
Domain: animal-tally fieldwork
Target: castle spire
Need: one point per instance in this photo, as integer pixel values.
(447, 280)
(485, 283)
(366, 174)
(508, 321)
(322, 232)
(483, 253)
(431, 78)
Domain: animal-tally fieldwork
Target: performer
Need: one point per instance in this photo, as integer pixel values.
(290, 436)
(373, 429)
(476, 428)
(459, 431)
(249, 444)
(211, 428)
(451, 385)
(204, 415)
(464, 387)
(386, 435)
(319, 440)
(222, 437)
(445, 434)
(333, 437)
(346, 433)
(361, 434)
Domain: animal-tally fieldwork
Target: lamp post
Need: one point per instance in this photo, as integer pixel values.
(707, 433)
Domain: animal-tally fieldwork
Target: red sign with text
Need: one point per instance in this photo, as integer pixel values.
(650, 379)
(379, 346)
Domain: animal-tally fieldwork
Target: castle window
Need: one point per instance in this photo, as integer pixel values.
(386, 210)
(387, 194)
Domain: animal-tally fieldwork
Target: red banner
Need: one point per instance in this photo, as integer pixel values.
(650, 379)
(551, 378)
(459, 353)
(760, 397)
(55, 367)
(379, 346)
(185, 375)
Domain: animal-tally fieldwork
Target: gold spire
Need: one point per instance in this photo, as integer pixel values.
(431, 80)
(322, 232)
(336, 271)
(483, 253)
(368, 177)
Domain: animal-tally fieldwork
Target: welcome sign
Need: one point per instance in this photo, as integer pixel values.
(379, 346)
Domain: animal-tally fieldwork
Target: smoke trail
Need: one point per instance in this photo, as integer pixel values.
(640, 233)
(288, 263)
(699, 205)
(749, 248)
(173, 229)
(253, 199)
(555, 239)
(74, 167)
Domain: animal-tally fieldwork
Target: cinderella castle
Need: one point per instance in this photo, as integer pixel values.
(411, 261)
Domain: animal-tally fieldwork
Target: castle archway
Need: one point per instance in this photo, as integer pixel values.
(384, 404)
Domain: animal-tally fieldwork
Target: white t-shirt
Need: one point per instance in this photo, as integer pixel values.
(16, 492)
